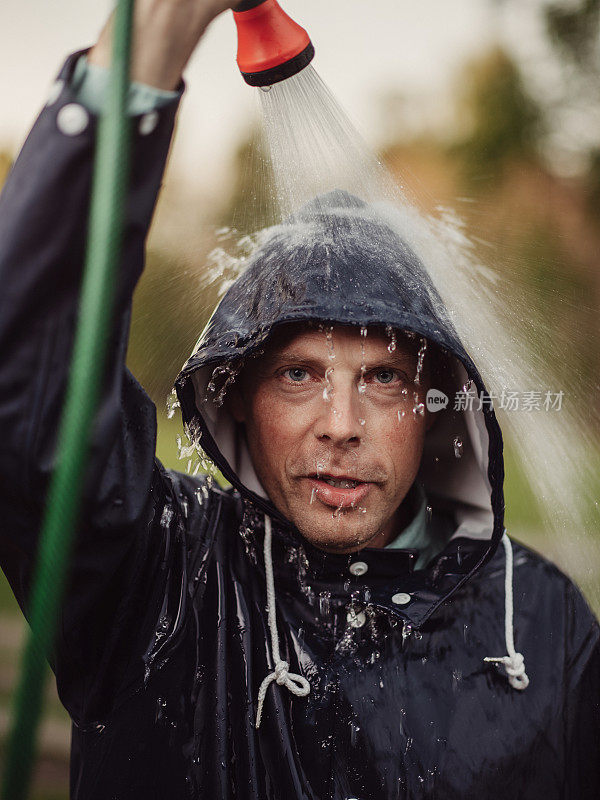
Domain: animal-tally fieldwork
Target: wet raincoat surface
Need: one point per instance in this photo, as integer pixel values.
(164, 639)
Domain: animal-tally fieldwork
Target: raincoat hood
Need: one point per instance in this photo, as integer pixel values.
(339, 261)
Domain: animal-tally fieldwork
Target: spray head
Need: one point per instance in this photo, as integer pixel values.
(271, 46)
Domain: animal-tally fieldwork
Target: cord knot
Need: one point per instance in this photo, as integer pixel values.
(515, 669)
(281, 672)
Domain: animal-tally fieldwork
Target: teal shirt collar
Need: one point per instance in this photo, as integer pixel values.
(420, 534)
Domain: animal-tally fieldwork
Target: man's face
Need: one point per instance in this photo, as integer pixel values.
(335, 431)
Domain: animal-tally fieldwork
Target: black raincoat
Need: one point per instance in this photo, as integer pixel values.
(164, 638)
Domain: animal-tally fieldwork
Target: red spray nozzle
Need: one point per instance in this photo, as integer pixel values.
(271, 46)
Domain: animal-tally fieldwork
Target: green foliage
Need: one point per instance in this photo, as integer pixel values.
(8, 604)
(522, 511)
(592, 185)
(504, 122)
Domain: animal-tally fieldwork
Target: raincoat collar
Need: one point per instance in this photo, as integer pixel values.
(390, 577)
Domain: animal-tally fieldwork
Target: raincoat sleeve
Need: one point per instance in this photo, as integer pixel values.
(582, 702)
(43, 219)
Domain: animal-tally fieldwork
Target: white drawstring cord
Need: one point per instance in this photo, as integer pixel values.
(514, 663)
(297, 684)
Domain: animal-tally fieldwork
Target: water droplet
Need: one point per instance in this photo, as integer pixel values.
(418, 407)
(221, 379)
(362, 386)
(458, 447)
(328, 390)
(392, 334)
(329, 341)
(161, 707)
(172, 404)
(361, 421)
(265, 88)
(164, 622)
(420, 358)
(324, 603)
(406, 630)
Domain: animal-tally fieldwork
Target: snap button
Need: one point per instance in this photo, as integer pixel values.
(72, 119)
(148, 123)
(356, 620)
(401, 598)
(358, 568)
(54, 92)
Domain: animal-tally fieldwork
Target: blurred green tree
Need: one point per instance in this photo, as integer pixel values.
(503, 123)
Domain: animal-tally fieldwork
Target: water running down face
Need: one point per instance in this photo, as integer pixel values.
(335, 426)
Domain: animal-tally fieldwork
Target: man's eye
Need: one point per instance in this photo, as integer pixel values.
(385, 376)
(296, 374)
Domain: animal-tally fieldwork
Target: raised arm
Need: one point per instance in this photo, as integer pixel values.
(43, 219)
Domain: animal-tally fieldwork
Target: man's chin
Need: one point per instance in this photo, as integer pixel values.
(338, 532)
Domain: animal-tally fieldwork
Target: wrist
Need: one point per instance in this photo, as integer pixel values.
(165, 35)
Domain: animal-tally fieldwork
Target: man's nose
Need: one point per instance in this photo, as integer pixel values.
(339, 420)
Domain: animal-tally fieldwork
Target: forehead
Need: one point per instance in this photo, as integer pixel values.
(321, 340)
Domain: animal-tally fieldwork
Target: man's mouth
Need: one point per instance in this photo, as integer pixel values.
(339, 491)
(341, 483)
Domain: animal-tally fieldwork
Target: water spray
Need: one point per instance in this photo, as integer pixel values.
(271, 46)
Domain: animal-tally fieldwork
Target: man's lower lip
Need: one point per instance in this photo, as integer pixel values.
(337, 497)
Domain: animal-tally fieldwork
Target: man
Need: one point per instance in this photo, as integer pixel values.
(321, 630)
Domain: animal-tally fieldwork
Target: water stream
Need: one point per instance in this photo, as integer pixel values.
(314, 148)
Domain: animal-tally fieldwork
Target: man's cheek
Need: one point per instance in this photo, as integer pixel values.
(279, 423)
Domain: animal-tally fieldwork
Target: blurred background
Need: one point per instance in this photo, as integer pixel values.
(489, 107)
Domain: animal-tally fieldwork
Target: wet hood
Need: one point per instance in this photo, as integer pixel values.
(338, 261)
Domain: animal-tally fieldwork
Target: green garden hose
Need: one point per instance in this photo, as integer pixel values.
(89, 352)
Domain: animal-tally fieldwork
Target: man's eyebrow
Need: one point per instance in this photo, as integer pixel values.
(295, 355)
(393, 359)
